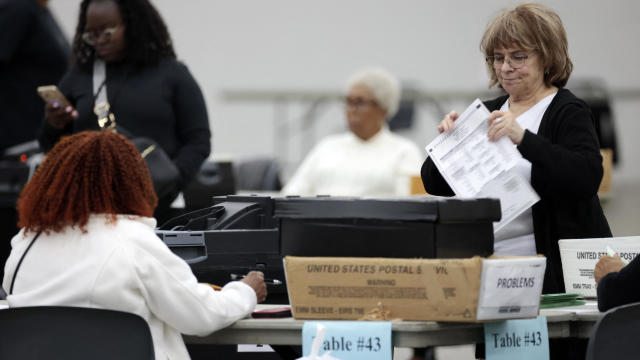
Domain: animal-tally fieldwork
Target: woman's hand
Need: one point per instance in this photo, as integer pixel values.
(503, 123)
(607, 264)
(447, 123)
(58, 116)
(255, 279)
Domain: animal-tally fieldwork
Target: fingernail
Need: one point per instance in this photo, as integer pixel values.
(67, 109)
(56, 105)
(74, 113)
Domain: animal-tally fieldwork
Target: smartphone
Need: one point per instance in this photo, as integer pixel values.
(50, 93)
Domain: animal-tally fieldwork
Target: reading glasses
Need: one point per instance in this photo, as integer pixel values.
(515, 61)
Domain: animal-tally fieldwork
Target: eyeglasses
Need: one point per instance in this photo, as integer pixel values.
(358, 102)
(516, 60)
(92, 37)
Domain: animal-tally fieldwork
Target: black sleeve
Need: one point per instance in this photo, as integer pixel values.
(193, 126)
(572, 165)
(620, 288)
(16, 19)
(433, 181)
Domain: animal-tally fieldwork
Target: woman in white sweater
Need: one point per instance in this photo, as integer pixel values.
(368, 160)
(88, 240)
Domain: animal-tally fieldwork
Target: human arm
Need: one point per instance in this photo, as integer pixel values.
(255, 279)
(29, 55)
(447, 123)
(504, 123)
(168, 287)
(617, 287)
(58, 115)
(192, 123)
(16, 20)
(607, 264)
(568, 164)
(58, 120)
(433, 181)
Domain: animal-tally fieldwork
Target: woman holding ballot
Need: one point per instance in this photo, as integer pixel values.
(526, 51)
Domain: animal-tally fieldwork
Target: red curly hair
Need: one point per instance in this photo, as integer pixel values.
(91, 172)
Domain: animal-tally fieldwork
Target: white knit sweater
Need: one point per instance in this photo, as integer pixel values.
(124, 266)
(345, 165)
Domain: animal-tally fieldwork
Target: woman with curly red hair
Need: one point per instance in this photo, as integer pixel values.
(88, 240)
(90, 173)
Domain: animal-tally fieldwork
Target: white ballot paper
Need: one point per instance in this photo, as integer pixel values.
(473, 166)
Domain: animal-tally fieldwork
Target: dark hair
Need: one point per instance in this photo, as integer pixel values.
(91, 172)
(531, 27)
(146, 34)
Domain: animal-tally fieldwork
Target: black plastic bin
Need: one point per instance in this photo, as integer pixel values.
(242, 233)
(416, 227)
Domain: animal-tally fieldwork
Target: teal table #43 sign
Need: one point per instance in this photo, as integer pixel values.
(347, 340)
(521, 339)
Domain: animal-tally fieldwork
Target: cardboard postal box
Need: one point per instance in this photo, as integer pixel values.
(579, 258)
(462, 290)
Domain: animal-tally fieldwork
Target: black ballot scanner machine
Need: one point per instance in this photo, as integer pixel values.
(238, 234)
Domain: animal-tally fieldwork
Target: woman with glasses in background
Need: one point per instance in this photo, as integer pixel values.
(368, 160)
(527, 55)
(150, 93)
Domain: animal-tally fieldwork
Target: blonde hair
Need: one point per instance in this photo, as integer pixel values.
(531, 27)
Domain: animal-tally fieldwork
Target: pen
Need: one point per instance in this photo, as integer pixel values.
(610, 252)
(267, 281)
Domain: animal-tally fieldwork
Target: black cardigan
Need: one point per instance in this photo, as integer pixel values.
(566, 170)
(33, 52)
(620, 288)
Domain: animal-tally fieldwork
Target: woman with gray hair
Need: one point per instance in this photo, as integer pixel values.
(369, 160)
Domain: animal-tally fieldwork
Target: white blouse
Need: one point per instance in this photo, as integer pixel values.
(345, 165)
(516, 237)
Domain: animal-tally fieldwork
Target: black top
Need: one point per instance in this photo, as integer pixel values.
(620, 288)
(162, 102)
(566, 170)
(33, 52)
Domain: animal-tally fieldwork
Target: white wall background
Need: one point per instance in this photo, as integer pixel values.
(315, 45)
